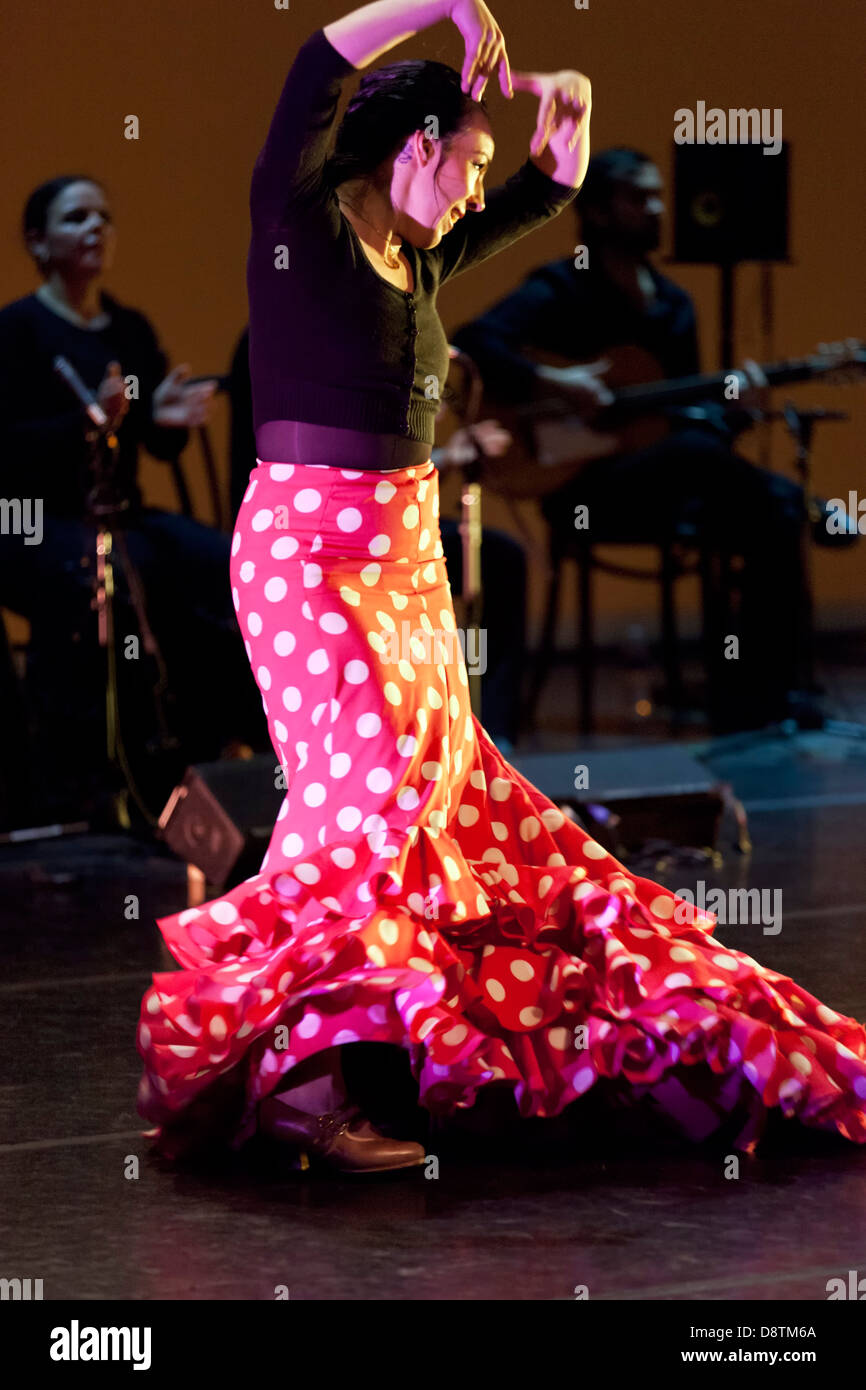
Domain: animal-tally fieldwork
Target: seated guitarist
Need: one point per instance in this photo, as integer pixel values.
(691, 475)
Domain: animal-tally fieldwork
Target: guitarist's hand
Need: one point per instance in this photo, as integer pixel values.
(750, 399)
(581, 386)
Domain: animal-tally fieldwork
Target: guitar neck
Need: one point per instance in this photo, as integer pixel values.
(658, 394)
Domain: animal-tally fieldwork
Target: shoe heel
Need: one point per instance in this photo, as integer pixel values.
(301, 1161)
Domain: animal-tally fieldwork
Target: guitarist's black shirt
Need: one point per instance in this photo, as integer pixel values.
(578, 314)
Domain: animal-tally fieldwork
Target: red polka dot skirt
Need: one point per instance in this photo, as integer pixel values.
(418, 891)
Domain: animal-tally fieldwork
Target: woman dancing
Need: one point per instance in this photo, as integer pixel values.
(417, 891)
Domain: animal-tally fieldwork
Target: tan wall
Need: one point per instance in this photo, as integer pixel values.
(204, 79)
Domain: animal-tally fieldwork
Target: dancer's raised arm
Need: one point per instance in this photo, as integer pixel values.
(364, 35)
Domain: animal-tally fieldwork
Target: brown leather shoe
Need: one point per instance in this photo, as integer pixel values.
(343, 1139)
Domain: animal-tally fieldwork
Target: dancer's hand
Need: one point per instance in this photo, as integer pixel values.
(180, 406)
(112, 395)
(564, 105)
(485, 48)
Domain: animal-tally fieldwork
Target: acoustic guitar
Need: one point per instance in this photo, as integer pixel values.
(551, 443)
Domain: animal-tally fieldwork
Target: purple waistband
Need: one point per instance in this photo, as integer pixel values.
(294, 441)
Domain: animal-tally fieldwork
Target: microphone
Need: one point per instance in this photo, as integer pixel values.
(64, 368)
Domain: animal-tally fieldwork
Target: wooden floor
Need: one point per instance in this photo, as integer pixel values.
(526, 1213)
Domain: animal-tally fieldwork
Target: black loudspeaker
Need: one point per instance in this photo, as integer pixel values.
(627, 797)
(222, 815)
(730, 203)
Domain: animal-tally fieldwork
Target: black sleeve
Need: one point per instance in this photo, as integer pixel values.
(494, 340)
(526, 200)
(288, 170)
(242, 438)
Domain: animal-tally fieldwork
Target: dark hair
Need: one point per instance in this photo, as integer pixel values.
(390, 104)
(35, 215)
(607, 168)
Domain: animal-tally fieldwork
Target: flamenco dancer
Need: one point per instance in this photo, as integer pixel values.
(416, 890)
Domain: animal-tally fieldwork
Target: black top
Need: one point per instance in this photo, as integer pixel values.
(331, 341)
(577, 314)
(43, 451)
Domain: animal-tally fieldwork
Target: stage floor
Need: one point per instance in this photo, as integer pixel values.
(527, 1216)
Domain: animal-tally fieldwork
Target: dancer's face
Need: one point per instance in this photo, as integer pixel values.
(433, 187)
(79, 236)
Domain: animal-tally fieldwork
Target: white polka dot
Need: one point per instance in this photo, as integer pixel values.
(307, 500)
(531, 1016)
(349, 519)
(349, 818)
(368, 725)
(312, 575)
(495, 990)
(393, 694)
(224, 913)
(317, 662)
(408, 799)
(379, 780)
(281, 731)
(306, 873)
(432, 771)
(263, 676)
(594, 851)
(356, 672)
(522, 970)
(371, 574)
(281, 472)
(309, 1026)
(314, 794)
(407, 745)
(467, 815)
(217, 1027)
(254, 623)
(725, 962)
(389, 932)
(292, 846)
(411, 516)
(284, 547)
(247, 571)
(276, 588)
(663, 906)
(384, 491)
(677, 981)
(334, 623)
(500, 789)
(341, 765)
(262, 519)
(236, 542)
(529, 828)
(292, 698)
(379, 545)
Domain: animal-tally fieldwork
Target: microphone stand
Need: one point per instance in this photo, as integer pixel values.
(104, 511)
